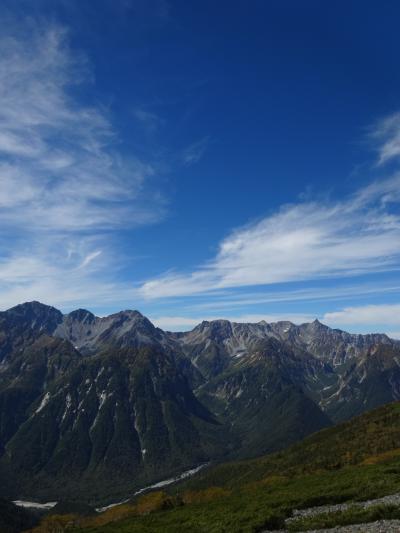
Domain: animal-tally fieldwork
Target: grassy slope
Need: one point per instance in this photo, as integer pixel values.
(353, 461)
(349, 443)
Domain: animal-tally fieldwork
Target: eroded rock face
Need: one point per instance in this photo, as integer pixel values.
(342, 372)
(127, 328)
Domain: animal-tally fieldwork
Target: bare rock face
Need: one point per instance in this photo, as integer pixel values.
(127, 328)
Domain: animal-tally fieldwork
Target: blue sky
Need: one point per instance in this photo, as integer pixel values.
(199, 160)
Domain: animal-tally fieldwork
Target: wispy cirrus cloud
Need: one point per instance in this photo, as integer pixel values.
(382, 314)
(66, 183)
(304, 241)
(387, 133)
(381, 317)
(148, 119)
(195, 151)
(308, 240)
(233, 299)
(64, 271)
(60, 165)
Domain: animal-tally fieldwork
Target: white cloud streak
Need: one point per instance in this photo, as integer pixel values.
(65, 186)
(304, 241)
(63, 271)
(387, 315)
(59, 166)
(149, 120)
(314, 294)
(387, 132)
(194, 152)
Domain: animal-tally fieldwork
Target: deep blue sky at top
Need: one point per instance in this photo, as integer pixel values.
(241, 107)
(281, 90)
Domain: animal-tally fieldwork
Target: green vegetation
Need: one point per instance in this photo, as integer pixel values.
(253, 508)
(368, 439)
(355, 461)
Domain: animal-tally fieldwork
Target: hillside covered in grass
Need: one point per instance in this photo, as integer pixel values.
(354, 461)
(367, 439)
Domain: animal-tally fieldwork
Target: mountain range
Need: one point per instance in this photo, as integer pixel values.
(92, 408)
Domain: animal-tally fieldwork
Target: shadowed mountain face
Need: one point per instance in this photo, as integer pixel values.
(95, 407)
(24, 323)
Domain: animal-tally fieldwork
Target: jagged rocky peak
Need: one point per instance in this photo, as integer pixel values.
(128, 328)
(81, 315)
(131, 323)
(132, 313)
(131, 316)
(35, 315)
(90, 333)
(87, 317)
(316, 325)
(281, 327)
(222, 340)
(314, 328)
(215, 327)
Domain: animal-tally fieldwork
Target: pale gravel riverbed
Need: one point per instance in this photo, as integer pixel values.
(392, 499)
(381, 526)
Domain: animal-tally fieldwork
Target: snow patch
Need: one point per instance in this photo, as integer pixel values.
(103, 397)
(99, 373)
(68, 402)
(43, 403)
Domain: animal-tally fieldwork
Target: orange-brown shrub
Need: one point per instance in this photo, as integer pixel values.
(206, 495)
(154, 501)
(55, 524)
